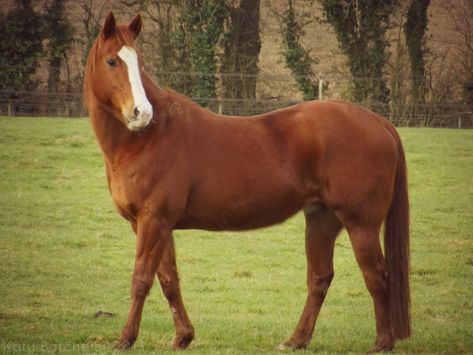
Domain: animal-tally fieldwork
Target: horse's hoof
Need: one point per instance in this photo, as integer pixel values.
(182, 342)
(289, 345)
(283, 347)
(123, 345)
(381, 347)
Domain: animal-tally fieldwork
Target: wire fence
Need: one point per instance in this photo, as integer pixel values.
(437, 113)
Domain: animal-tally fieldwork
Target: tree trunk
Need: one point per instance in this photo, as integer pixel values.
(242, 44)
(414, 30)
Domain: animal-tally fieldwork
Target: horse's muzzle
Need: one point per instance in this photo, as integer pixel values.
(140, 118)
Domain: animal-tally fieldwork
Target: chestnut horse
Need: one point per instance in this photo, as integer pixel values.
(172, 164)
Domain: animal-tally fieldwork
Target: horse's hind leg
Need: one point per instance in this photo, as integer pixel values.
(322, 228)
(167, 274)
(365, 241)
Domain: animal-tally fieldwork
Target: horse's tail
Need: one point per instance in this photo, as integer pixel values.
(396, 248)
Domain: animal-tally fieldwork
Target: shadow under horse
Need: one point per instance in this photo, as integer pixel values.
(172, 164)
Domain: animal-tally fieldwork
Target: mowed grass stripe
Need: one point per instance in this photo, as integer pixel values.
(65, 254)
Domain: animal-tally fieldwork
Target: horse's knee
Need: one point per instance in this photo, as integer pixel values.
(140, 288)
(319, 284)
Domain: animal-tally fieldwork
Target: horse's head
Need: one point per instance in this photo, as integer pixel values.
(114, 74)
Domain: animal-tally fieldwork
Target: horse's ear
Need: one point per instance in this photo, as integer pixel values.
(109, 26)
(135, 25)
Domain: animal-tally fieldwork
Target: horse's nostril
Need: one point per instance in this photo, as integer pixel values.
(136, 111)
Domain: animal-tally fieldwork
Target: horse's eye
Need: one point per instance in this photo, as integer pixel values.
(112, 62)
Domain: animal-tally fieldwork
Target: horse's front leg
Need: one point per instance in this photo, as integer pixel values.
(167, 274)
(153, 236)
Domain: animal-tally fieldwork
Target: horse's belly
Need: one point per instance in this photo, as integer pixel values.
(246, 208)
(231, 221)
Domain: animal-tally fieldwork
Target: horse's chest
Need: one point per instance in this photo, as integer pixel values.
(124, 198)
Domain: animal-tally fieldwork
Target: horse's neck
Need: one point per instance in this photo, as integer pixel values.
(159, 98)
(115, 138)
(111, 134)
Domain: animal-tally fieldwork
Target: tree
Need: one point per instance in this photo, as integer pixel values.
(398, 67)
(21, 35)
(296, 57)
(92, 14)
(60, 35)
(415, 28)
(186, 43)
(461, 11)
(241, 47)
(203, 25)
(173, 59)
(169, 44)
(360, 26)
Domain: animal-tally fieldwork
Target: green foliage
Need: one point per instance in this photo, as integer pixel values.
(187, 42)
(414, 30)
(172, 61)
(360, 27)
(244, 291)
(59, 32)
(297, 58)
(191, 34)
(203, 21)
(21, 35)
(91, 28)
(179, 59)
(241, 47)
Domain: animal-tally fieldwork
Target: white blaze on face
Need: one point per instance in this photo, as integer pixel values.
(142, 110)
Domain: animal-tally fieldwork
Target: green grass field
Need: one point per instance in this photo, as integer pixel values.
(65, 254)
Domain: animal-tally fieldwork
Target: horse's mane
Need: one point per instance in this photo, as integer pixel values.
(88, 70)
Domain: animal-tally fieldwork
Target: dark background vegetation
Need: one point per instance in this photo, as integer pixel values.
(249, 56)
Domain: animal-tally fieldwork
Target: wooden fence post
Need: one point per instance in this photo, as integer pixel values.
(321, 86)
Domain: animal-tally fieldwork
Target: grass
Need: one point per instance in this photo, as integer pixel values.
(65, 255)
